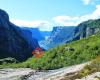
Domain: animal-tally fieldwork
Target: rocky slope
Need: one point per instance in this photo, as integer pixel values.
(87, 29)
(13, 42)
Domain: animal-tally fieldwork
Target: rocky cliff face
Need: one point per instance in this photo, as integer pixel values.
(28, 35)
(35, 33)
(59, 35)
(12, 41)
(87, 29)
(45, 34)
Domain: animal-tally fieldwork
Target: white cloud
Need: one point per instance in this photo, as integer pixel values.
(59, 21)
(42, 25)
(86, 2)
(73, 21)
(96, 13)
(65, 20)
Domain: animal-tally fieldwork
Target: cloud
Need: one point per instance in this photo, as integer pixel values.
(65, 20)
(96, 13)
(73, 21)
(59, 21)
(41, 24)
(86, 2)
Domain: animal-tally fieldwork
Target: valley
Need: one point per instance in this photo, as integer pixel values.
(68, 52)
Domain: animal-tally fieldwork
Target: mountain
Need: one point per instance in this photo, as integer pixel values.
(13, 40)
(72, 53)
(45, 34)
(40, 36)
(86, 48)
(28, 35)
(87, 28)
(36, 33)
(59, 35)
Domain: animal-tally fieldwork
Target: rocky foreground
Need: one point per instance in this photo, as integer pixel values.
(58, 74)
(29, 74)
(14, 74)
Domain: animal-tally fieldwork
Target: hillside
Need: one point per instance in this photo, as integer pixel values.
(63, 34)
(86, 29)
(69, 54)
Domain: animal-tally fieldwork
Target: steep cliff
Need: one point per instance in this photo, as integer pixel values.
(87, 29)
(36, 33)
(59, 35)
(12, 41)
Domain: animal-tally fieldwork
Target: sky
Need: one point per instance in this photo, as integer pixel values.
(45, 14)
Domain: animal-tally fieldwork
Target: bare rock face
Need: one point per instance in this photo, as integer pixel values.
(59, 35)
(13, 42)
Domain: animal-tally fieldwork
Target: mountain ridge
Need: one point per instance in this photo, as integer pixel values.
(13, 43)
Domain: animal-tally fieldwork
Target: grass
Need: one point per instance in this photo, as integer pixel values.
(91, 68)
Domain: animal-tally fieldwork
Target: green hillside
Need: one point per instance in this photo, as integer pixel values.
(68, 54)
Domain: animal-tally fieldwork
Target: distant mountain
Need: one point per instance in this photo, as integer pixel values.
(59, 35)
(45, 34)
(32, 41)
(65, 34)
(36, 33)
(14, 41)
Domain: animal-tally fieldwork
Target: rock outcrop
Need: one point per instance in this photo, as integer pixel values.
(87, 29)
(13, 42)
